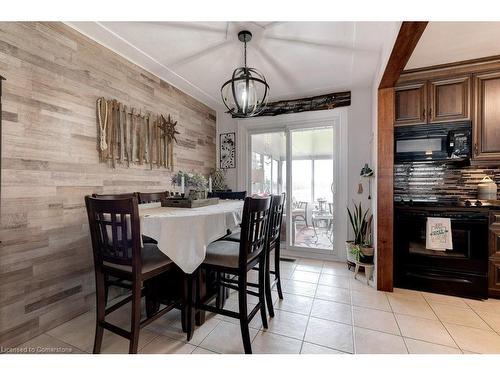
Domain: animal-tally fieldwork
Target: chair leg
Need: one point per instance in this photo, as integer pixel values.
(190, 303)
(277, 270)
(219, 296)
(242, 299)
(136, 316)
(262, 288)
(106, 289)
(269, 297)
(100, 310)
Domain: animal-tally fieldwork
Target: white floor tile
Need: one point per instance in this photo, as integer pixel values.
(330, 334)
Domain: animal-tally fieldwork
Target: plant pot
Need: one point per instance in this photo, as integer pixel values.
(366, 255)
(350, 256)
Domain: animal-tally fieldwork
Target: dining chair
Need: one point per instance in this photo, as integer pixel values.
(232, 258)
(152, 197)
(110, 280)
(273, 243)
(116, 243)
(114, 196)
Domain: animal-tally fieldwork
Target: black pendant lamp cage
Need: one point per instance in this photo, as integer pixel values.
(246, 93)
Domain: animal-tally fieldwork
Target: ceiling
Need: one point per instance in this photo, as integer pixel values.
(298, 59)
(446, 42)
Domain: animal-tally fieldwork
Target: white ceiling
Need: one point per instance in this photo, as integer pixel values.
(297, 58)
(446, 42)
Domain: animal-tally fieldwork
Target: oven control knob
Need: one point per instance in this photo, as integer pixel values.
(467, 203)
(479, 203)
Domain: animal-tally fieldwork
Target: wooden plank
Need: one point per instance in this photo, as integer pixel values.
(385, 182)
(314, 103)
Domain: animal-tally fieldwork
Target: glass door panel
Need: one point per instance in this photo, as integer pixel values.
(312, 176)
(268, 174)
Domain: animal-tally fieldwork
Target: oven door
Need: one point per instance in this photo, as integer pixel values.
(461, 271)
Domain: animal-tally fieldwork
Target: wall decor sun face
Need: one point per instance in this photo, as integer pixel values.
(227, 150)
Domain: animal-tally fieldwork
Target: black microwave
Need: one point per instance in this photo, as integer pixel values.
(434, 142)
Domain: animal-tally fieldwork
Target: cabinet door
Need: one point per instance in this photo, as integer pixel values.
(449, 99)
(487, 117)
(494, 277)
(411, 101)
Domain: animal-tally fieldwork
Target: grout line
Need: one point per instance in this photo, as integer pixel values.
(446, 329)
(310, 311)
(397, 323)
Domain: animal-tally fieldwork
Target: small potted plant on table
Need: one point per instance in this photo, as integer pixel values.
(360, 250)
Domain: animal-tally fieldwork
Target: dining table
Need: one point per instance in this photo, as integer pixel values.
(183, 234)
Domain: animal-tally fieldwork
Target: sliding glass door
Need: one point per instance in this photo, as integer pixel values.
(299, 162)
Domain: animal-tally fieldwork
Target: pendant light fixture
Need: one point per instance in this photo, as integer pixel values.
(246, 93)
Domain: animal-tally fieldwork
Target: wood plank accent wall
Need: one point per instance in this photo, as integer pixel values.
(50, 161)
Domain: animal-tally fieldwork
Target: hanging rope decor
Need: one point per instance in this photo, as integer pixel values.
(102, 106)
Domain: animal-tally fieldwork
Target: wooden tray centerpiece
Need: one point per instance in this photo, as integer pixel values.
(188, 202)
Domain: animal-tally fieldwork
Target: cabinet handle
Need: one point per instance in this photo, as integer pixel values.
(423, 113)
(476, 149)
(430, 112)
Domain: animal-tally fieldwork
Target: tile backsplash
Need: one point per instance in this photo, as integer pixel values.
(433, 181)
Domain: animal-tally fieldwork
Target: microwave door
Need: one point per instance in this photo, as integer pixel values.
(421, 148)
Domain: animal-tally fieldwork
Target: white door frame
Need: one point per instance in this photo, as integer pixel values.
(287, 123)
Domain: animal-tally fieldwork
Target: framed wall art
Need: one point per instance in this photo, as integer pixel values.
(227, 150)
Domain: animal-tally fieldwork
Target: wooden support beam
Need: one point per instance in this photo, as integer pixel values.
(406, 41)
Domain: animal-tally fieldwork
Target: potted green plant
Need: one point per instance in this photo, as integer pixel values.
(360, 249)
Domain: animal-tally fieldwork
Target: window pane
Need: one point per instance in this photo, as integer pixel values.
(323, 180)
(302, 177)
(275, 176)
(267, 174)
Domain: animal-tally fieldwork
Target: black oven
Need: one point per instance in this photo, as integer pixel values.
(440, 142)
(462, 271)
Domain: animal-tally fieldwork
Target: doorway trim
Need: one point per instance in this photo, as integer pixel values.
(336, 117)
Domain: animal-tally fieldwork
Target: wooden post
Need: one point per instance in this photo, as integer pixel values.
(406, 41)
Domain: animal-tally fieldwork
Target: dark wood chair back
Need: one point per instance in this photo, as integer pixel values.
(152, 197)
(233, 195)
(115, 232)
(114, 196)
(275, 220)
(254, 226)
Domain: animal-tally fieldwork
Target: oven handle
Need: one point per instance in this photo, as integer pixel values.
(438, 277)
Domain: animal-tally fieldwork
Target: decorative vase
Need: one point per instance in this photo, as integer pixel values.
(366, 255)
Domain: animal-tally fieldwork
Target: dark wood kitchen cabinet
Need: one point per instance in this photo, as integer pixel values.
(449, 99)
(487, 116)
(411, 104)
(442, 99)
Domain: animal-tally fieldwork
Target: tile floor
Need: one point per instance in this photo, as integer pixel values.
(324, 311)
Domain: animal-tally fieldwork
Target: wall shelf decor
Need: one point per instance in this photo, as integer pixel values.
(127, 136)
(227, 150)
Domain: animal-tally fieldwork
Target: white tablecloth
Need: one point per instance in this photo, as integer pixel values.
(183, 234)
